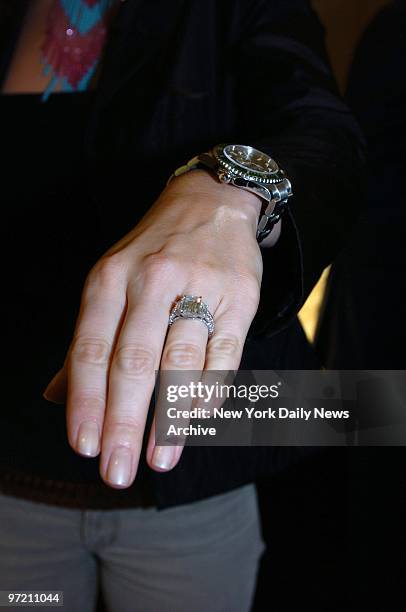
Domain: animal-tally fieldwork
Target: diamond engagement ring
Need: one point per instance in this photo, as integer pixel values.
(192, 307)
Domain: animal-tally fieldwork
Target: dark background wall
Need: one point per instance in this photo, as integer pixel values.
(345, 21)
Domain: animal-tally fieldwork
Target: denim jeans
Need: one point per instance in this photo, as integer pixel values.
(200, 556)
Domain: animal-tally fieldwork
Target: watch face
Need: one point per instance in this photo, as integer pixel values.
(250, 159)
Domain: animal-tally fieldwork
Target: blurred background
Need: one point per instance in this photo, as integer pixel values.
(335, 525)
(345, 22)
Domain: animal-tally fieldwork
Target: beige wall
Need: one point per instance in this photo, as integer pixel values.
(345, 21)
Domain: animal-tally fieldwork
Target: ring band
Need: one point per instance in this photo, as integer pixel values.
(192, 307)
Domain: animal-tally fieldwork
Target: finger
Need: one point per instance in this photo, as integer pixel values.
(225, 347)
(183, 359)
(102, 310)
(223, 357)
(232, 322)
(167, 436)
(214, 384)
(131, 382)
(178, 449)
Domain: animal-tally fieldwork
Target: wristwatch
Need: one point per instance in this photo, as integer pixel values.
(252, 170)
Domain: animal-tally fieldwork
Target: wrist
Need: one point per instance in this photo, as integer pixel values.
(252, 171)
(204, 183)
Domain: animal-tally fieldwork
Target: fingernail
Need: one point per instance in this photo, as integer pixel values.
(164, 457)
(119, 468)
(48, 392)
(50, 398)
(52, 393)
(87, 442)
(47, 395)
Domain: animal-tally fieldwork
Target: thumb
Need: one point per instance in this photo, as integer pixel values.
(56, 390)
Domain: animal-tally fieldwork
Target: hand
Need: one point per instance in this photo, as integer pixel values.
(198, 238)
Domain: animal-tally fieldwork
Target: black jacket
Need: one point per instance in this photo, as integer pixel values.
(177, 78)
(351, 335)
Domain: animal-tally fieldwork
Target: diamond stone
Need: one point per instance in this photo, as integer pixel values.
(192, 304)
(192, 307)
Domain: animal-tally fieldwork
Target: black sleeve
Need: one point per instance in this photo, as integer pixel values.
(289, 107)
(379, 108)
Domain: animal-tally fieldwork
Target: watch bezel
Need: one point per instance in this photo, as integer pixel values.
(236, 170)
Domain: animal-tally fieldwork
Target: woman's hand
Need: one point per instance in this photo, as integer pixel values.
(197, 239)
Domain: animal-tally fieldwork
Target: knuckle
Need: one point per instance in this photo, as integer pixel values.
(202, 271)
(90, 350)
(229, 346)
(135, 361)
(125, 428)
(248, 292)
(183, 354)
(160, 265)
(250, 284)
(88, 404)
(247, 306)
(107, 274)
